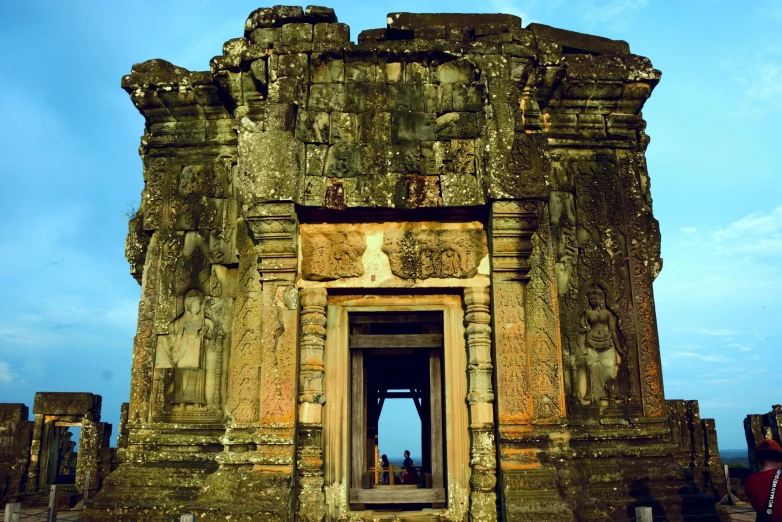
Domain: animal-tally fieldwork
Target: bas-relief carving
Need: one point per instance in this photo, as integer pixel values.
(421, 254)
(543, 328)
(181, 348)
(190, 357)
(563, 221)
(328, 256)
(600, 351)
(513, 386)
(244, 371)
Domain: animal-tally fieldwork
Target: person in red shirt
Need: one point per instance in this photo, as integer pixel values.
(763, 488)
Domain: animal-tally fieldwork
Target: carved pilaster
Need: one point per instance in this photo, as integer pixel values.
(644, 261)
(480, 397)
(543, 330)
(242, 401)
(512, 225)
(309, 457)
(274, 228)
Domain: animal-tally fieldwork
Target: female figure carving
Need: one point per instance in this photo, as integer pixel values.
(599, 349)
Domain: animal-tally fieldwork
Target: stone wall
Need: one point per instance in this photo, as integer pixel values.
(440, 155)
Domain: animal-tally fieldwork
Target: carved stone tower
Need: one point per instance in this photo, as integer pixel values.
(454, 195)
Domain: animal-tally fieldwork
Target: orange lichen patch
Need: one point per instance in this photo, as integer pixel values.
(515, 432)
(423, 191)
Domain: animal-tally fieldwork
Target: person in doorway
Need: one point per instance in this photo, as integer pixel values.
(384, 467)
(409, 474)
(408, 462)
(763, 487)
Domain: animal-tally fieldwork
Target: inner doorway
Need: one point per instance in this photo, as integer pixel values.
(396, 357)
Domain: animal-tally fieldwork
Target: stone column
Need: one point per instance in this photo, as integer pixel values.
(309, 456)
(483, 459)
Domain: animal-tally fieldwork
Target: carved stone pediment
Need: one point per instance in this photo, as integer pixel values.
(422, 254)
(329, 256)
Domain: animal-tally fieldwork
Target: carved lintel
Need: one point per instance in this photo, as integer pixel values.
(423, 254)
(328, 256)
(512, 224)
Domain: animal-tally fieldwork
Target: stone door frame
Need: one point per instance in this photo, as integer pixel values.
(336, 417)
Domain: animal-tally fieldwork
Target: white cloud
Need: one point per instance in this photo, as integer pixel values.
(7, 377)
(696, 356)
(618, 13)
(760, 80)
(717, 332)
(721, 332)
(757, 234)
(510, 7)
(740, 347)
(771, 9)
(592, 14)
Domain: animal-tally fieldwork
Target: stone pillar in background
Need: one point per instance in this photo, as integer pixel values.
(35, 455)
(483, 460)
(309, 458)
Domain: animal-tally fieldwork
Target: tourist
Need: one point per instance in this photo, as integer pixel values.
(384, 466)
(409, 475)
(762, 487)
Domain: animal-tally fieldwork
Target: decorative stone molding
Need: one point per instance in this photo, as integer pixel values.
(274, 228)
(512, 224)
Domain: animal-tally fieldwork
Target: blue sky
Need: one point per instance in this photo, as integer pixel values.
(70, 172)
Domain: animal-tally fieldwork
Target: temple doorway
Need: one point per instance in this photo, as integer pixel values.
(397, 357)
(63, 448)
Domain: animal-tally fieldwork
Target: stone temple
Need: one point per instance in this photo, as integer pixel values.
(457, 207)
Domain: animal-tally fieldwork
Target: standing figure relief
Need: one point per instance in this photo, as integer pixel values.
(600, 351)
(181, 352)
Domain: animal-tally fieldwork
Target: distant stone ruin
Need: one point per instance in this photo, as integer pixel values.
(762, 426)
(36, 454)
(455, 206)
